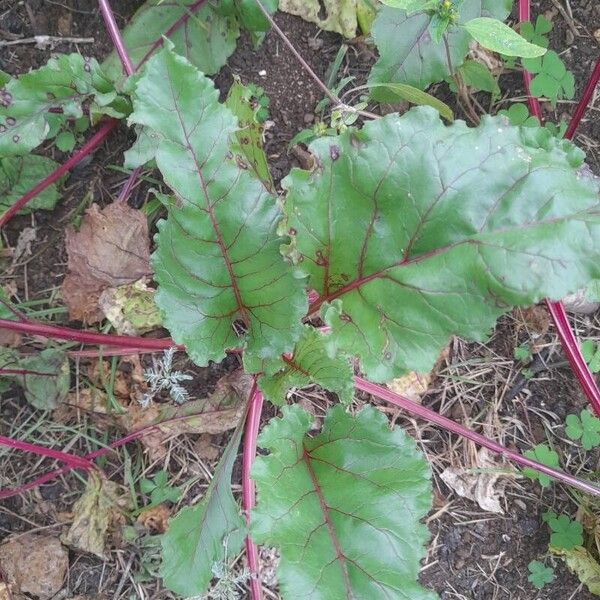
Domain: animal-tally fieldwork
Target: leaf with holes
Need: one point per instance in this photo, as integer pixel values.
(222, 280)
(412, 232)
(35, 106)
(18, 174)
(407, 52)
(312, 362)
(201, 536)
(331, 503)
(248, 142)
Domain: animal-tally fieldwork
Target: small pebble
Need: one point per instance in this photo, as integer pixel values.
(309, 118)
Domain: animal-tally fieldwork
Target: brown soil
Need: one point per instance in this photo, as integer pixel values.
(474, 554)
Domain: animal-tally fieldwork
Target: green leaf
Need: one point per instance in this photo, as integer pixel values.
(415, 96)
(586, 427)
(478, 76)
(343, 508)
(222, 280)
(312, 362)
(251, 17)
(48, 380)
(18, 174)
(407, 52)
(412, 232)
(197, 536)
(566, 534)
(4, 78)
(518, 114)
(65, 141)
(552, 81)
(540, 574)
(495, 35)
(249, 147)
(542, 454)
(206, 38)
(29, 103)
(583, 564)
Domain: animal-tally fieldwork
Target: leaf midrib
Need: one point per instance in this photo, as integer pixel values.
(209, 209)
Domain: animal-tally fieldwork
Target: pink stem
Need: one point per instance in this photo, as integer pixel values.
(25, 372)
(85, 337)
(585, 101)
(573, 351)
(86, 149)
(74, 462)
(534, 105)
(115, 36)
(130, 437)
(129, 185)
(248, 487)
(556, 309)
(190, 10)
(433, 417)
(107, 352)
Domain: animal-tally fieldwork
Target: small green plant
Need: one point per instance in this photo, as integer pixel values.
(159, 489)
(545, 455)
(162, 377)
(566, 533)
(584, 427)
(591, 354)
(522, 353)
(552, 79)
(539, 574)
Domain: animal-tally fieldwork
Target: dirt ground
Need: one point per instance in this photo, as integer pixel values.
(473, 554)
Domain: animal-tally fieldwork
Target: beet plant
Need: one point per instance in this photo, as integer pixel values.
(406, 231)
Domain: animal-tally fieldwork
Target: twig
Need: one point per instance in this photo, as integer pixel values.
(47, 40)
(248, 487)
(432, 417)
(337, 102)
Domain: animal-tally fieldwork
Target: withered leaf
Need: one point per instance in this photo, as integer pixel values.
(95, 515)
(220, 412)
(111, 248)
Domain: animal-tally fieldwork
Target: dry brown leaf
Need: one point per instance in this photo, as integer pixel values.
(155, 519)
(96, 515)
(483, 487)
(204, 449)
(415, 385)
(486, 57)
(111, 248)
(34, 564)
(218, 413)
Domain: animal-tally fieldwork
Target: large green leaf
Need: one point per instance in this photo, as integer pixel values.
(344, 507)
(312, 362)
(412, 232)
(203, 536)
(222, 280)
(407, 52)
(34, 106)
(18, 174)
